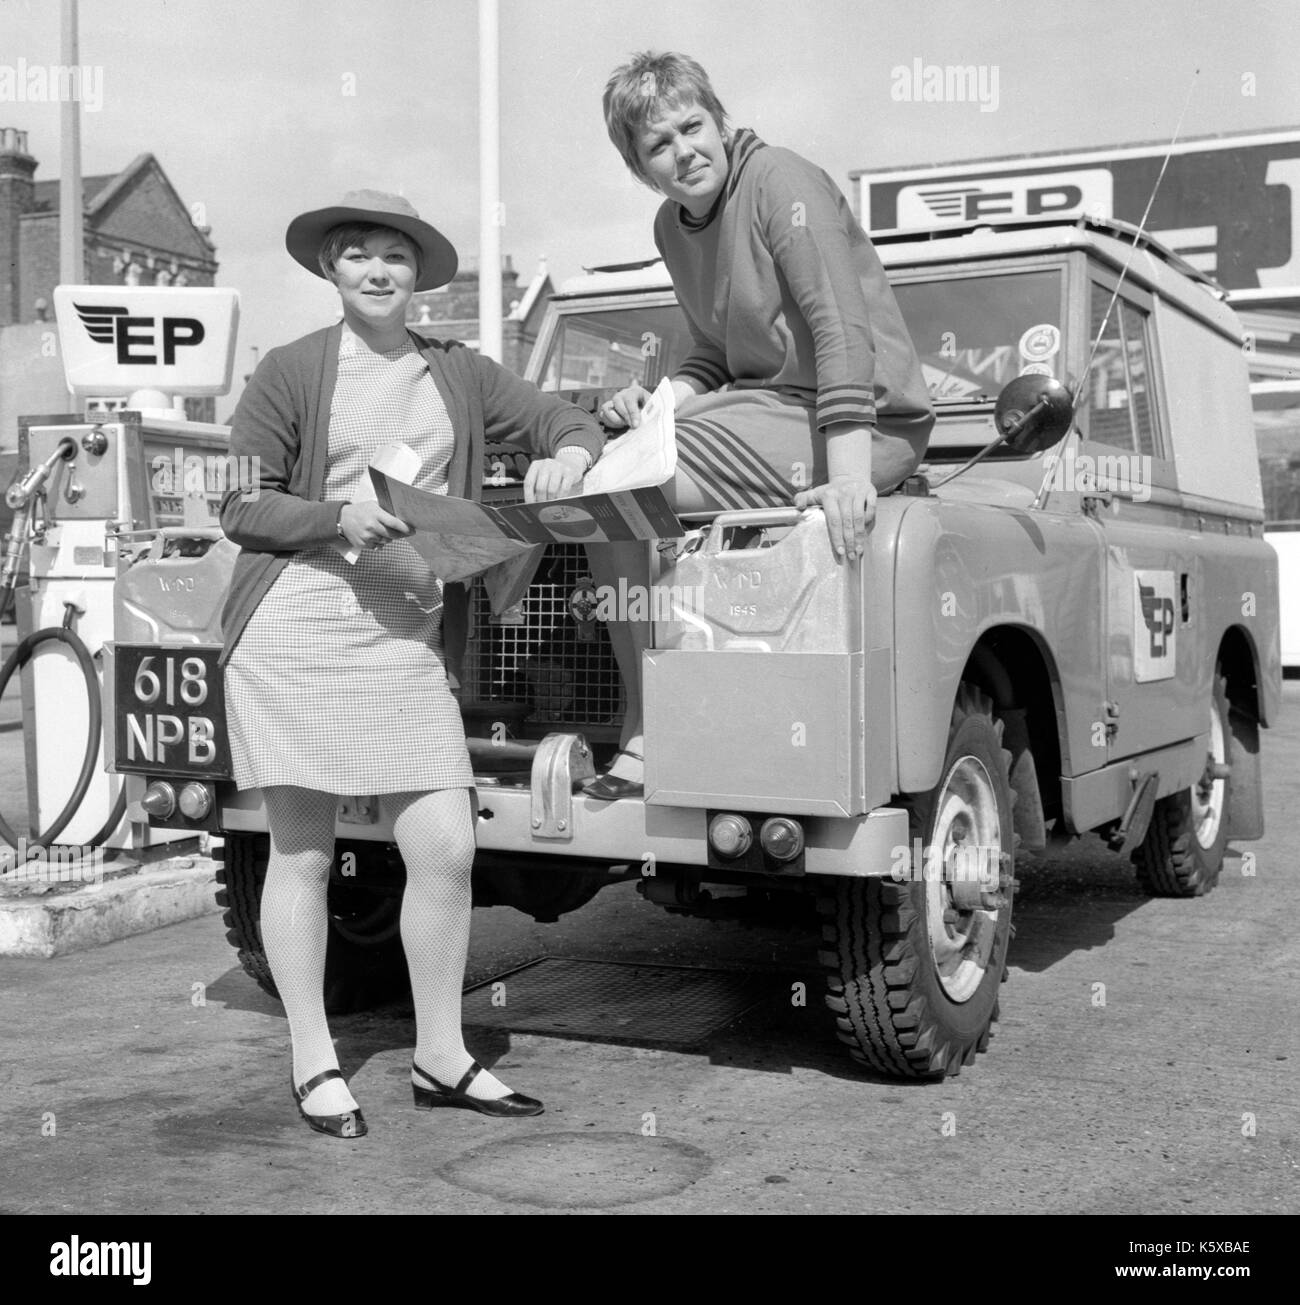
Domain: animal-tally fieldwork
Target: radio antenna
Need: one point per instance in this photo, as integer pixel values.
(1054, 457)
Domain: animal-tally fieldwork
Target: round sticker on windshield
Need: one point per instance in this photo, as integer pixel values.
(1036, 369)
(1040, 342)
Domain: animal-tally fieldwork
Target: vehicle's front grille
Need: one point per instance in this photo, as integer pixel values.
(547, 671)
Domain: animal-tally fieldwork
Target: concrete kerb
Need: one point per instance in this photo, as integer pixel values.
(55, 924)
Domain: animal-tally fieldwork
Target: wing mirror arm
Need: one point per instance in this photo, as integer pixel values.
(1032, 414)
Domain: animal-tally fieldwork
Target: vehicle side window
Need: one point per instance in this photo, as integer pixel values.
(1119, 407)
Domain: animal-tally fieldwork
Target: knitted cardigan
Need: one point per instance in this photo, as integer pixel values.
(282, 426)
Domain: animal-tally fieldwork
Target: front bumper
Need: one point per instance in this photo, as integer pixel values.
(525, 820)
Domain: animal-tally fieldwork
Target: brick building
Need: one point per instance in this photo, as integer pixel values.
(137, 232)
(451, 311)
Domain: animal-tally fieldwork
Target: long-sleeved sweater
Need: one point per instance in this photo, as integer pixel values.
(783, 290)
(282, 425)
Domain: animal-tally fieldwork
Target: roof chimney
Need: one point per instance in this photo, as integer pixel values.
(17, 196)
(13, 140)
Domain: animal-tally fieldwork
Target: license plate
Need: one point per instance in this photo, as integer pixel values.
(171, 711)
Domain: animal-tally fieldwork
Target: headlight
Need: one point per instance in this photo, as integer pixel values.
(782, 839)
(159, 799)
(195, 801)
(730, 836)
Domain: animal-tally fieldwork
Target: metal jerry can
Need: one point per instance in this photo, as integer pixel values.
(172, 589)
(756, 688)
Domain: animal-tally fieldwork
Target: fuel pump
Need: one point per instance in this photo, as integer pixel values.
(96, 497)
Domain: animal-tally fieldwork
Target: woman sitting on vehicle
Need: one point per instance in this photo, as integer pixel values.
(334, 673)
(803, 387)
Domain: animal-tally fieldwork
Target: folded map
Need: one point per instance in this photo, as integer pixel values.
(460, 538)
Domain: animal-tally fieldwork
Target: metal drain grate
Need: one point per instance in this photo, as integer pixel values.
(616, 1001)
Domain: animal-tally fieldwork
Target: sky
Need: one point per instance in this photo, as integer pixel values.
(261, 109)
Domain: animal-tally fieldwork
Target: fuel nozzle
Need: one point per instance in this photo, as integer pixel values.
(20, 493)
(14, 543)
(19, 497)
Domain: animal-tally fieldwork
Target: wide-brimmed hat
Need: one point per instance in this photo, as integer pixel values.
(306, 233)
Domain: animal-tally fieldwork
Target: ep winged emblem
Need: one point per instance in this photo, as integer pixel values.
(99, 322)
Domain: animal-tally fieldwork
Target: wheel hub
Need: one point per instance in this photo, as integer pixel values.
(962, 872)
(1207, 795)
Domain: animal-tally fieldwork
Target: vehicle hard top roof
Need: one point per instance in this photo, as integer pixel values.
(1109, 236)
(1120, 244)
(617, 278)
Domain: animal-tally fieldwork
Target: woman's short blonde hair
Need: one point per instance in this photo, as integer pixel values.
(347, 234)
(643, 87)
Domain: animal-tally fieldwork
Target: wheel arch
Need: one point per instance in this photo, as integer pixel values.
(1238, 661)
(1241, 665)
(1015, 667)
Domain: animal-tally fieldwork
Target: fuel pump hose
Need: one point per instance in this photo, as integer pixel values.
(16, 661)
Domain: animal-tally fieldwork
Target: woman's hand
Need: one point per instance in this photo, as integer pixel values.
(555, 477)
(367, 525)
(849, 503)
(624, 409)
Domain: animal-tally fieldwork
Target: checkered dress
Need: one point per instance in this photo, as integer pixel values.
(337, 683)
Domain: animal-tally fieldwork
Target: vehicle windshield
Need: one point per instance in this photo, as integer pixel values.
(973, 334)
(614, 347)
(976, 333)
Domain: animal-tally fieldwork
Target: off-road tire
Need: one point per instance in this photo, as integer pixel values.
(1180, 856)
(365, 965)
(893, 1008)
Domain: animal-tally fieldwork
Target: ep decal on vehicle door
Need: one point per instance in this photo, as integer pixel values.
(1154, 625)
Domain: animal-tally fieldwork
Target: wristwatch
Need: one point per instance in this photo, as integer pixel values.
(338, 525)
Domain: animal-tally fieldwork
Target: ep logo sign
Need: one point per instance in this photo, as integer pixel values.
(138, 340)
(118, 339)
(1155, 630)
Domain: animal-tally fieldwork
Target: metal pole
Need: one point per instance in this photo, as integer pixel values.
(72, 264)
(491, 212)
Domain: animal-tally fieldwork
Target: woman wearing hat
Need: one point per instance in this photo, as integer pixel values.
(803, 386)
(334, 673)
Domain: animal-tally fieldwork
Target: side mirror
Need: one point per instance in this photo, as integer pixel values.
(1033, 413)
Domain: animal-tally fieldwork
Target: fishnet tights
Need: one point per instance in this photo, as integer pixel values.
(435, 835)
